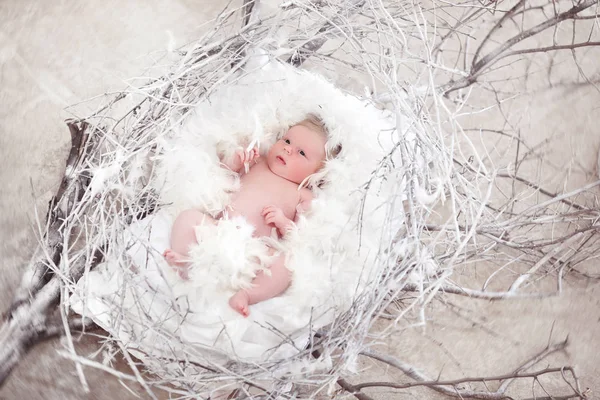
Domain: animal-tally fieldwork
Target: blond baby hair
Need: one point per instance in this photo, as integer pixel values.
(314, 122)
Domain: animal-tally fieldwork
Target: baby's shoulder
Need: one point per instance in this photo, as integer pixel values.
(306, 195)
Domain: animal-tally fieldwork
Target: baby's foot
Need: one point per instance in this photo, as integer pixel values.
(178, 262)
(239, 302)
(173, 258)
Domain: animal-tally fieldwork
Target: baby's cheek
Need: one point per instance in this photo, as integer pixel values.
(306, 172)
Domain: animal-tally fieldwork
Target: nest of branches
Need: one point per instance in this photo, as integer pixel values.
(418, 60)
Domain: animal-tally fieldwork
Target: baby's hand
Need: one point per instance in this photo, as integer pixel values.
(274, 216)
(243, 157)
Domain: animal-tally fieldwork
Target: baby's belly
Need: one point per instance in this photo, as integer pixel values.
(251, 209)
(262, 229)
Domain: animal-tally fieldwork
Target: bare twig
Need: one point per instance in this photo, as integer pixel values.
(454, 382)
(480, 294)
(313, 45)
(479, 66)
(439, 385)
(248, 9)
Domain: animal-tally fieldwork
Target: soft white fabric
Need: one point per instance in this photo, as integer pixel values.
(331, 252)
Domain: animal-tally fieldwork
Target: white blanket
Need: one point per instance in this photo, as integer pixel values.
(331, 253)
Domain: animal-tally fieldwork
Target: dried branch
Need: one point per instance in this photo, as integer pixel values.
(542, 190)
(571, 46)
(479, 66)
(29, 322)
(500, 393)
(248, 11)
(335, 24)
(54, 327)
(477, 294)
(454, 382)
(51, 243)
(353, 389)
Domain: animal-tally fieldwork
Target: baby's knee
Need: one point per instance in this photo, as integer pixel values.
(278, 261)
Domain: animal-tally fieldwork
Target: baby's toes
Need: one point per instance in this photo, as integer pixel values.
(239, 304)
(173, 258)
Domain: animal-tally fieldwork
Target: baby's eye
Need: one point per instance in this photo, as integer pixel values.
(302, 153)
(287, 141)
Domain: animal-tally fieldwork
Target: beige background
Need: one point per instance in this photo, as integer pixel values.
(54, 54)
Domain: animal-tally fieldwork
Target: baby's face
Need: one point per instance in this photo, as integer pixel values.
(298, 154)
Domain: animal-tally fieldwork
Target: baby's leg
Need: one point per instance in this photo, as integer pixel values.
(183, 236)
(264, 286)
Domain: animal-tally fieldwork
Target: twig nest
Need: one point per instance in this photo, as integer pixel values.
(333, 254)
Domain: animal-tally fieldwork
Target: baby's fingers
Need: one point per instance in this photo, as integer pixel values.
(244, 156)
(266, 210)
(253, 155)
(271, 218)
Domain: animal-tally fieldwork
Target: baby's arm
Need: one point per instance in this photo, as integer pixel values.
(306, 198)
(274, 215)
(264, 287)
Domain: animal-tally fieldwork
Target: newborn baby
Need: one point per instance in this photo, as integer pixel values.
(270, 197)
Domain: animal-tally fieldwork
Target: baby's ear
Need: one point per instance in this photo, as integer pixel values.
(335, 151)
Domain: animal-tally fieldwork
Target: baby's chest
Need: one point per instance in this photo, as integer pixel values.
(260, 193)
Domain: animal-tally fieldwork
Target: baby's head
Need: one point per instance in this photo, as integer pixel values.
(301, 151)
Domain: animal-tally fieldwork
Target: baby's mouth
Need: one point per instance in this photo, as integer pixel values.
(281, 160)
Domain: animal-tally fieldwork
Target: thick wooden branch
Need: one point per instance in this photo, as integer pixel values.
(49, 250)
(30, 322)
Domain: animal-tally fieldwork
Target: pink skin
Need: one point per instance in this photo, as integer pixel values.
(177, 261)
(240, 302)
(300, 153)
(274, 216)
(242, 157)
(264, 286)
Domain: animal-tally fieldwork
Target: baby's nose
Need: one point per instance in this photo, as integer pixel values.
(288, 149)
